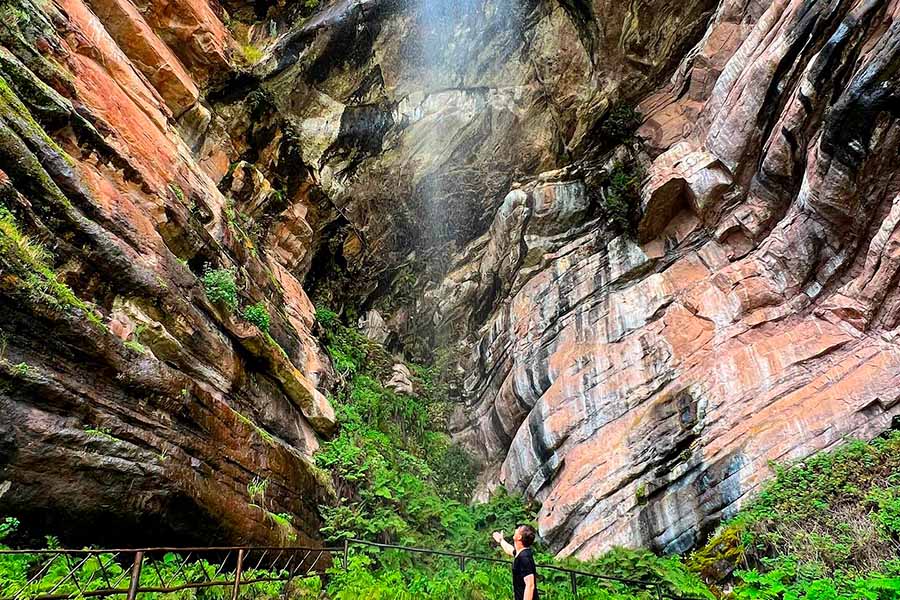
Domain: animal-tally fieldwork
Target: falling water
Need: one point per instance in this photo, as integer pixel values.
(444, 103)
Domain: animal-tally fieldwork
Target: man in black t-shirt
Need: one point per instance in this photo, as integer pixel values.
(524, 571)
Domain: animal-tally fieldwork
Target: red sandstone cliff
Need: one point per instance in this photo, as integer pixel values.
(637, 383)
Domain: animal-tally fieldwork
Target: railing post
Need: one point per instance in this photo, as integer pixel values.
(574, 585)
(346, 554)
(135, 575)
(659, 595)
(238, 571)
(462, 563)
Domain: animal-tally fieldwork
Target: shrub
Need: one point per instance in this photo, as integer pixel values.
(258, 314)
(822, 528)
(622, 195)
(620, 124)
(221, 287)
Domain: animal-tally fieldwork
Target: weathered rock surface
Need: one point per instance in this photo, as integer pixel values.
(639, 388)
(456, 170)
(135, 410)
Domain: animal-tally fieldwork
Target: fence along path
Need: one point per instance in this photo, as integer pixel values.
(95, 573)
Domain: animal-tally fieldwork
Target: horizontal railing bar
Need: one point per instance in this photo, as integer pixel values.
(147, 550)
(497, 560)
(427, 551)
(283, 549)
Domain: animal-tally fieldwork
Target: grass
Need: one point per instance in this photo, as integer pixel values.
(100, 433)
(256, 489)
(30, 262)
(262, 433)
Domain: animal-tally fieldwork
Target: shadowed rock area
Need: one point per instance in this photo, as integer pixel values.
(656, 238)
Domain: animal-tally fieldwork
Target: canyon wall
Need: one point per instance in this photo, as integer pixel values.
(133, 408)
(640, 386)
(454, 172)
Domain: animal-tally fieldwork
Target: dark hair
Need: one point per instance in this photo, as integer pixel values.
(528, 535)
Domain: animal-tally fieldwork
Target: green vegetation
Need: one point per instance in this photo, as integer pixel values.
(262, 433)
(245, 227)
(824, 529)
(256, 489)
(622, 195)
(92, 574)
(136, 347)
(135, 344)
(179, 193)
(401, 480)
(21, 369)
(251, 53)
(221, 288)
(100, 432)
(258, 314)
(620, 124)
(284, 523)
(29, 262)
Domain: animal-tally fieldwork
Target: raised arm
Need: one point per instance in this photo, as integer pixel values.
(507, 547)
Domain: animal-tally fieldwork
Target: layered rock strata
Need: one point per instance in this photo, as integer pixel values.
(134, 409)
(639, 387)
(461, 173)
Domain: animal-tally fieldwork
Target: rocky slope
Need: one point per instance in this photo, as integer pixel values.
(464, 168)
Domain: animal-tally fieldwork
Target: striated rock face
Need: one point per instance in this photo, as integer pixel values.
(647, 305)
(133, 409)
(639, 387)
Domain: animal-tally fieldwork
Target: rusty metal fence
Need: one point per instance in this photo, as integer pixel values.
(74, 574)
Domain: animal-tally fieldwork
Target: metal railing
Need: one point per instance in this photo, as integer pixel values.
(110, 573)
(653, 587)
(63, 574)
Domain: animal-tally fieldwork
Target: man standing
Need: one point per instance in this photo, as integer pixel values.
(524, 571)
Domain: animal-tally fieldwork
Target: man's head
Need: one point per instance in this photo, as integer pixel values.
(524, 536)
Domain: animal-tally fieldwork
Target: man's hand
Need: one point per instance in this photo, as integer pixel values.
(501, 539)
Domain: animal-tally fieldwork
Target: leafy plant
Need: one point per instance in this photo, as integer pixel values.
(256, 489)
(823, 528)
(21, 369)
(221, 287)
(8, 527)
(621, 195)
(136, 346)
(258, 314)
(620, 124)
